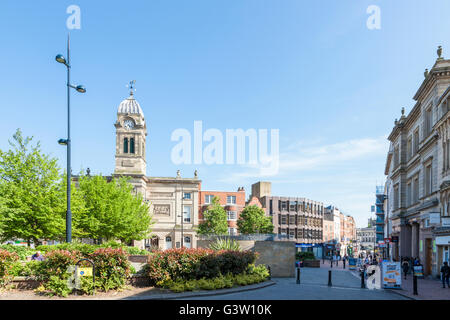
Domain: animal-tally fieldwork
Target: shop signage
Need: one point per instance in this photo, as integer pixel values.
(435, 218)
(391, 275)
(446, 221)
(443, 241)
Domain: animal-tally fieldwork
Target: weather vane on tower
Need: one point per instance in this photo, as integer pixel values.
(131, 86)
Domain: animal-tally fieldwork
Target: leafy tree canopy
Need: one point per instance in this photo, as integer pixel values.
(253, 220)
(214, 220)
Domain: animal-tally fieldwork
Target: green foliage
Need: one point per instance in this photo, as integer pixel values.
(56, 263)
(253, 220)
(27, 269)
(21, 251)
(55, 286)
(87, 249)
(214, 219)
(187, 264)
(225, 244)
(305, 255)
(219, 282)
(32, 199)
(7, 264)
(112, 267)
(112, 210)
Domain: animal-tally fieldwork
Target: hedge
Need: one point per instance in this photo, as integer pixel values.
(188, 264)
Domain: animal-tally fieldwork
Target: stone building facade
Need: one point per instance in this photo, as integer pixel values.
(173, 201)
(415, 171)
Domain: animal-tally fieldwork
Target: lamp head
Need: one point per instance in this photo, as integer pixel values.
(62, 142)
(81, 89)
(60, 58)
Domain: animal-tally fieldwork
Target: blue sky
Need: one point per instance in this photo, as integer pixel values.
(313, 70)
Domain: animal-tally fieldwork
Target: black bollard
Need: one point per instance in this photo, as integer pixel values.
(415, 285)
(363, 284)
(329, 278)
(270, 272)
(344, 264)
(298, 276)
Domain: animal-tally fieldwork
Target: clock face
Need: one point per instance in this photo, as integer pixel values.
(128, 124)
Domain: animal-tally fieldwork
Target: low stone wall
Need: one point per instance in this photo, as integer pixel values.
(25, 283)
(279, 255)
(244, 244)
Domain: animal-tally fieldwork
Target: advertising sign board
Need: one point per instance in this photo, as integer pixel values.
(352, 263)
(391, 275)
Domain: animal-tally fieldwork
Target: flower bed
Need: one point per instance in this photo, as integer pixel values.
(195, 269)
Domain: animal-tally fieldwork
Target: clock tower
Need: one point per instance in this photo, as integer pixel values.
(131, 132)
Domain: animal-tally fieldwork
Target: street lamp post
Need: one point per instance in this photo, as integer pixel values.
(60, 58)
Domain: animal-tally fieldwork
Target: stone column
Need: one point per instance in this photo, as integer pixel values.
(405, 240)
(415, 240)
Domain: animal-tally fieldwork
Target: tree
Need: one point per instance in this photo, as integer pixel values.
(214, 220)
(112, 210)
(253, 220)
(30, 191)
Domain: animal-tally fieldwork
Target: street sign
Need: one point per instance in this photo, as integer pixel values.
(84, 271)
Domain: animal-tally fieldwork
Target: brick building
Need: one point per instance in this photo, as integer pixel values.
(232, 202)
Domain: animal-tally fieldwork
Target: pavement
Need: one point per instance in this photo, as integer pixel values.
(427, 289)
(313, 286)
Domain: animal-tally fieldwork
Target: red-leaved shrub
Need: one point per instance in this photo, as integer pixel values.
(7, 260)
(112, 267)
(189, 264)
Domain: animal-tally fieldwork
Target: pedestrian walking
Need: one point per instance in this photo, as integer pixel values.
(405, 267)
(445, 270)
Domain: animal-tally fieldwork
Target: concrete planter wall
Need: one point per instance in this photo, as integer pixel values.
(311, 263)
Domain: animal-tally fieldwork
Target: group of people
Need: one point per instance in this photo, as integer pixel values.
(409, 263)
(336, 258)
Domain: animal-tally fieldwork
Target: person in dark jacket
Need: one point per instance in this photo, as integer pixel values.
(405, 267)
(445, 270)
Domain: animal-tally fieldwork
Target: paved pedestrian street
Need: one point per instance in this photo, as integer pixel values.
(313, 286)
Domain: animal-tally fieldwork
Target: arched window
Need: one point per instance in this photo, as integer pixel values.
(125, 145)
(131, 145)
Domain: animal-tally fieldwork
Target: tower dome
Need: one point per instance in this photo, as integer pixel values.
(131, 106)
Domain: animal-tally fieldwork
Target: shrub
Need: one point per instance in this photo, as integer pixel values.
(224, 262)
(55, 286)
(21, 251)
(111, 267)
(174, 264)
(56, 263)
(87, 249)
(187, 264)
(260, 270)
(305, 255)
(7, 262)
(220, 282)
(225, 244)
